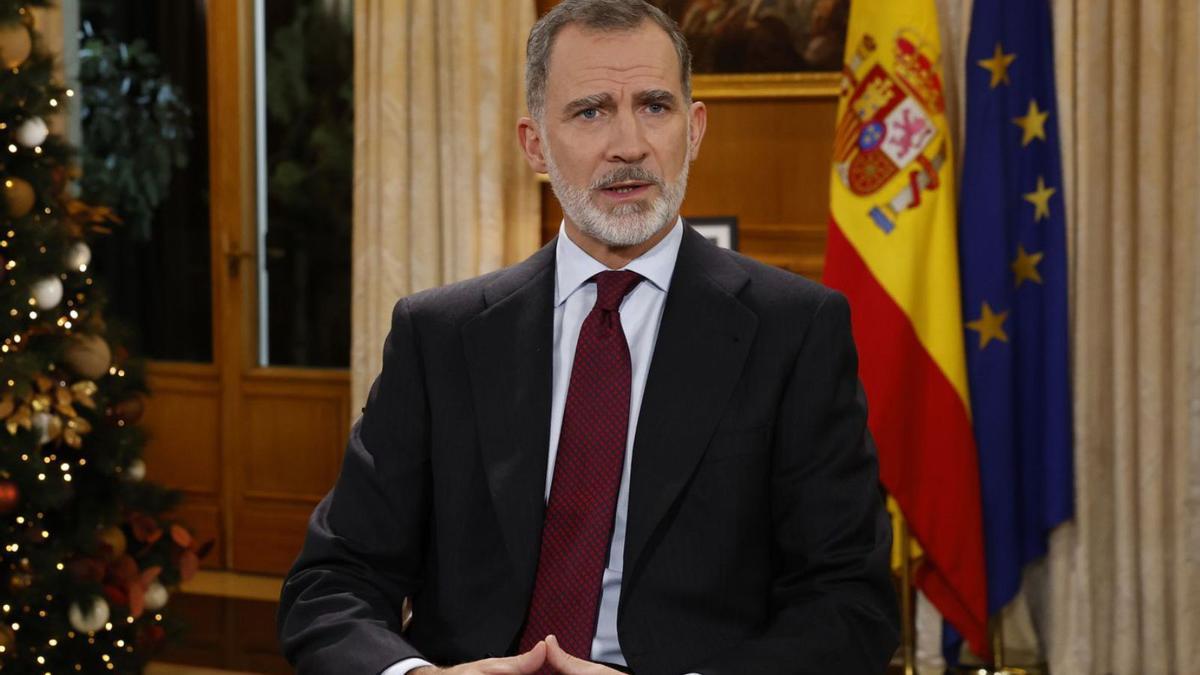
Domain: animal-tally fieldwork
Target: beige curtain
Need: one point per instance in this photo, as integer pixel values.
(1120, 590)
(1125, 576)
(441, 192)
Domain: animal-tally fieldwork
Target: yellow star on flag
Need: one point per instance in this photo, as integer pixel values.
(1025, 266)
(998, 66)
(990, 326)
(1040, 199)
(1033, 123)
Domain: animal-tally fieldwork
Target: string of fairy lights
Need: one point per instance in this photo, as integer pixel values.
(84, 573)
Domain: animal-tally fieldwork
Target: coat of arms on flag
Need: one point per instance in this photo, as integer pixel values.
(893, 250)
(888, 127)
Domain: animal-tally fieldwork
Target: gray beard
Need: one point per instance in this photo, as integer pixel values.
(627, 224)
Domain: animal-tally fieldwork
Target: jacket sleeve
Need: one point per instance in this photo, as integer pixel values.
(341, 605)
(833, 604)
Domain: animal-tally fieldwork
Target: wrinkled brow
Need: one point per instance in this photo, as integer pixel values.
(656, 96)
(602, 101)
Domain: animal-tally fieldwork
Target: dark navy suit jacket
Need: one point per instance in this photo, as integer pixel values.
(757, 541)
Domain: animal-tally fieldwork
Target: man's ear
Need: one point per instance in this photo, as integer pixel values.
(530, 137)
(699, 122)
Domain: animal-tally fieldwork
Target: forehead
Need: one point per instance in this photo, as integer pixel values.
(584, 61)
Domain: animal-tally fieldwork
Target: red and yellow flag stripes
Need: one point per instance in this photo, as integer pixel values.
(893, 251)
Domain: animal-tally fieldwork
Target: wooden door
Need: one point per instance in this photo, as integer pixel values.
(252, 446)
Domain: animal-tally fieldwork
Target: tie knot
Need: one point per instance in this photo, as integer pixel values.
(613, 286)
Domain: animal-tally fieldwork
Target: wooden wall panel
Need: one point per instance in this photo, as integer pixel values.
(293, 440)
(767, 162)
(293, 437)
(182, 422)
(267, 536)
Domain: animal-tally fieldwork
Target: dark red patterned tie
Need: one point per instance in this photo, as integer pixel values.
(587, 475)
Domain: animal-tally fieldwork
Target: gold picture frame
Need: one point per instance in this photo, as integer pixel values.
(756, 49)
(709, 87)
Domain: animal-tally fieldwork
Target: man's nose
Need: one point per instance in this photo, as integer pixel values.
(628, 143)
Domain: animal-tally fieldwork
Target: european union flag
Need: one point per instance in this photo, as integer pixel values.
(1013, 257)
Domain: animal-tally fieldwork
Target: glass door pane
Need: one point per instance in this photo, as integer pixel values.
(305, 118)
(143, 107)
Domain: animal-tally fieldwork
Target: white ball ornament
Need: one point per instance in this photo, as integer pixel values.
(156, 597)
(136, 470)
(32, 132)
(78, 255)
(91, 621)
(47, 293)
(41, 422)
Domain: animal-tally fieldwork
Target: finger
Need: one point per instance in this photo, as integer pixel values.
(521, 664)
(498, 666)
(532, 660)
(562, 661)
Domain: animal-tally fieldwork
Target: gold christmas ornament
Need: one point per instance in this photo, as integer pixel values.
(114, 539)
(16, 44)
(52, 412)
(89, 356)
(21, 418)
(18, 196)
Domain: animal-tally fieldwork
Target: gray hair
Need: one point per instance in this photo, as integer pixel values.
(608, 16)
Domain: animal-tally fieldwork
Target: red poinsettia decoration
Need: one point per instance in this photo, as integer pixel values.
(126, 585)
(145, 528)
(187, 555)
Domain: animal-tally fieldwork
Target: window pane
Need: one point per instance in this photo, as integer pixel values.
(156, 265)
(306, 126)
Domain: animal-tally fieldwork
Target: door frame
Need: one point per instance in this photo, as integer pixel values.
(258, 514)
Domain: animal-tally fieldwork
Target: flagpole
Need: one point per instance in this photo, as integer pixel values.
(998, 643)
(999, 659)
(908, 633)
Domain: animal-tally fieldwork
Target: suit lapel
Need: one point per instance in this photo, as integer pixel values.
(508, 349)
(509, 358)
(703, 340)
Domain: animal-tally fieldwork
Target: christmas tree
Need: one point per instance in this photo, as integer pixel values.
(87, 557)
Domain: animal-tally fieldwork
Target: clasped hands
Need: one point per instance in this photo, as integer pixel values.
(546, 652)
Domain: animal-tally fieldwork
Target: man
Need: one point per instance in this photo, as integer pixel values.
(633, 451)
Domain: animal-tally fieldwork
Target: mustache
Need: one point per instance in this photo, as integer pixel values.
(626, 173)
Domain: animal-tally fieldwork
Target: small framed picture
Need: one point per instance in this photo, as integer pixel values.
(720, 230)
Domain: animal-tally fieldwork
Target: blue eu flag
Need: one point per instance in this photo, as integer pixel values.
(1013, 257)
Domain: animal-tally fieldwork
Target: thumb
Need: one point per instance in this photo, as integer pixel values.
(559, 658)
(531, 661)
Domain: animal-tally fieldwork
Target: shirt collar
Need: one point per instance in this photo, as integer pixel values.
(573, 266)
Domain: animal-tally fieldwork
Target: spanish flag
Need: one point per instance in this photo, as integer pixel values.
(893, 251)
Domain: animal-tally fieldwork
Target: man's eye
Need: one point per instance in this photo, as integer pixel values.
(589, 113)
(656, 108)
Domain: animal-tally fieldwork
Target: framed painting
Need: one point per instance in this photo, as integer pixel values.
(721, 230)
(763, 48)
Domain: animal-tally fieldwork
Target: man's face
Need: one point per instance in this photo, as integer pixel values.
(616, 135)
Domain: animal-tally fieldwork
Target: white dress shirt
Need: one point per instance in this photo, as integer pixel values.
(641, 313)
